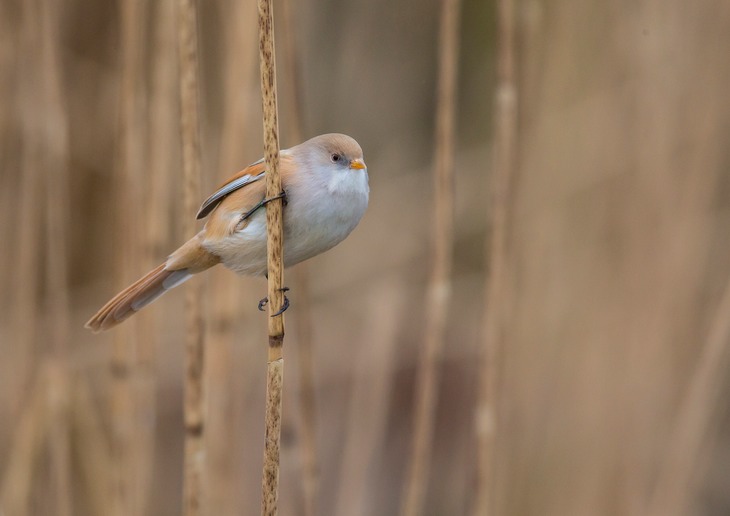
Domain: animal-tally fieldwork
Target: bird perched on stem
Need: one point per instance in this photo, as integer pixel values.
(325, 184)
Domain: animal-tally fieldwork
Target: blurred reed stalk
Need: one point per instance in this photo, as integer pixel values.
(303, 313)
(55, 158)
(47, 415)
(368, 405)
(225, 306)
(93, 457)
(677, 479)
(128, 339)
(26, 280)
(158, 183)
(9, 190)
(439, 284)
(275, 266)
(307, 399)
(28, 437)
(505, 163)
(193, 481)
(28, 390)
(163, 124)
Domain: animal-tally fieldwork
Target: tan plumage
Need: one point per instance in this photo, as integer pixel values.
(325, 200)
(226, 216)
(189, 259)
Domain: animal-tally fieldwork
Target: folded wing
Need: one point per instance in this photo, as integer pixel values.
(248, 175)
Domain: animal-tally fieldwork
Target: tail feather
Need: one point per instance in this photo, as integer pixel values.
(136, 296)
(191, 258)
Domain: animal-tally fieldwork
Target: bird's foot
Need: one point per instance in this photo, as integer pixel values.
(265, 301)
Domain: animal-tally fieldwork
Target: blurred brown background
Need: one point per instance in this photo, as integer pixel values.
(617, 257)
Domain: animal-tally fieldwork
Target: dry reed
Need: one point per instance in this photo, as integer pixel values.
(30, 431)
(505, 162)
(439, 283)
(25, 282)
(55, 159)
(163, 123)
(368, 404)
(307, 400)
(609, 241)
(616, 256)
(157, 180)
(695, 418)
(28, 412)
(225, 312)
(46, 418)
(193, 496)
(94, 457)
(274, 251)
(128, 339)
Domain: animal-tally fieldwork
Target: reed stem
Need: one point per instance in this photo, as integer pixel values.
(55, 155)
(275, 249)
(439, 285)
(695, 417)
(193, 479)
(505, 162)
(125, 496)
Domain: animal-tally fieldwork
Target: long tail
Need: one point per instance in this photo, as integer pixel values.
(190, 259)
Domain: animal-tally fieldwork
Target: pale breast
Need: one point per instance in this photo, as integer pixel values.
(315, 223)
(316, 218)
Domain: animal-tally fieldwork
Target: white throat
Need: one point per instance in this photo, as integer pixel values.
(351, 182)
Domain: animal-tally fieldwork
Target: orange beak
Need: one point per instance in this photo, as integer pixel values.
(357, 164)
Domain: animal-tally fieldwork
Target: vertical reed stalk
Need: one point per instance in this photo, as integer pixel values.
(125, 494)
(505, 163)
(275, 250)
(159, 179)
(241, 53)
(58, 408)
(25, 282)
(307, 400)
(93, 457)
(27, 444)
(195, 345)
(303, 314)
(291, 63)
(368, 404)
(163, 124)
(439, 286)
(695, 416)
(39, 142)
(55, 158)
(55, 142)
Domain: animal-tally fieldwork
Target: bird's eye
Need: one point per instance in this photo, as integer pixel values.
(335, 158)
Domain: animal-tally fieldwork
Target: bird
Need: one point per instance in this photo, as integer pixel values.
(325, 190)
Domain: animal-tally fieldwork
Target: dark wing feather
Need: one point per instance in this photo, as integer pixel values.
(250, 174)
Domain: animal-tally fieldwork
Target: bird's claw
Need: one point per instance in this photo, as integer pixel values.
(283, 307)
(265, 301)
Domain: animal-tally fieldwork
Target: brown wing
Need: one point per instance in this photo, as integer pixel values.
(234, 211)
(248, 175)
(235, 206)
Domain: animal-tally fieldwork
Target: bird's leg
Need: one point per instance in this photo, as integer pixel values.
(261, 204)
(282, 195)
(265, 301)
